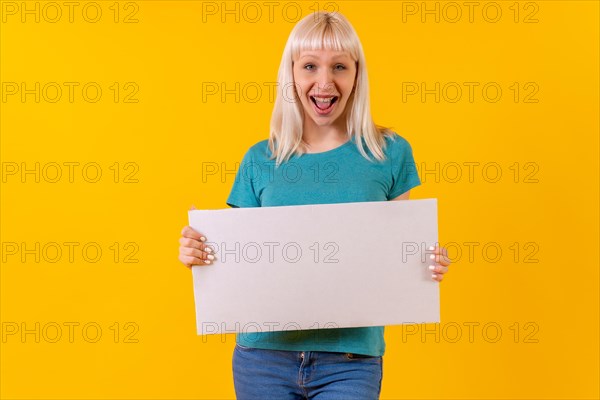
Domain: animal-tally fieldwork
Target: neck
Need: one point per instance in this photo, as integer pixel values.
(318, 136)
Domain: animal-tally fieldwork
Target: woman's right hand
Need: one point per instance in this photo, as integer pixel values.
(192, 250)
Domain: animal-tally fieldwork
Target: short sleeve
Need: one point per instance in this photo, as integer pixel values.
(243, 192)
(404, 171)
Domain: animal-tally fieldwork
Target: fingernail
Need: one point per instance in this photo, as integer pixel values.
(432, 267)
(210, 257)
(432, 257)
(208, 250)
(431, 248)
(433, 276)
(202, 239)
(207, 261)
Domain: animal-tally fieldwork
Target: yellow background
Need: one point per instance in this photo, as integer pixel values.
(170, 131)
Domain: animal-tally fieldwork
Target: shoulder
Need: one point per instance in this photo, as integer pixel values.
(260, 146)
(396, 144)
(259, 150)
(396, 140)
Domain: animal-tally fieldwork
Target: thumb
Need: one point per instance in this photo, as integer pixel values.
(193, 207)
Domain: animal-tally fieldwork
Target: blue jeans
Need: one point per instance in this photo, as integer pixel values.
(261, 374)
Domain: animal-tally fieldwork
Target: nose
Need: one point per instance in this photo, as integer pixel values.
(325, 81)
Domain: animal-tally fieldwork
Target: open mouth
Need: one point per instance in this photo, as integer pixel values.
(322, 104)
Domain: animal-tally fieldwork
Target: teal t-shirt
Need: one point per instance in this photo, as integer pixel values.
(340, 175)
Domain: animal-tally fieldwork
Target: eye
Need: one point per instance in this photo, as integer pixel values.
(308, 65)
(342, 66)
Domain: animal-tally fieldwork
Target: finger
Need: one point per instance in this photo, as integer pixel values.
(184, 260)
(442, 250)
(440, 259)
(196, 244)
(439, 250)
(445, 261)
(437, 277)
(188, 261)
(191, 260)
(189, 232)
(191, 252)
(438, 269)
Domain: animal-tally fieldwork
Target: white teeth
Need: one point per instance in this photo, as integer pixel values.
(321, 100)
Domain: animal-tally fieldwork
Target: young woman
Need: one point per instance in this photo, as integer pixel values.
(322, 129)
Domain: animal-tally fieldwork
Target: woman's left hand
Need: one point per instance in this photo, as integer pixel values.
(440, 262)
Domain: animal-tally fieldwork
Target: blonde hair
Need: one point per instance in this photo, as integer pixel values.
(318, 31)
